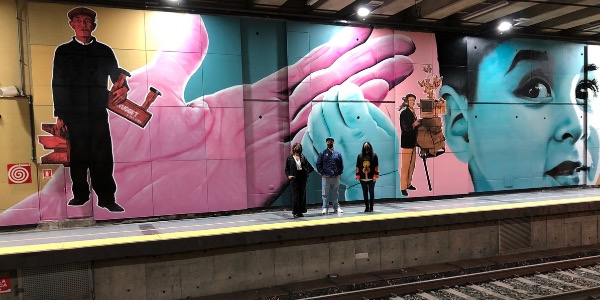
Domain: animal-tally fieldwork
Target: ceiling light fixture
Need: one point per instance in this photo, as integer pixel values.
(363, 12)
(504, 26)
(485, 11)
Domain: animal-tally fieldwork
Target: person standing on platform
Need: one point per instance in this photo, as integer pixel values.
(367, 173)
(408, 142)
(297, 169)
(330, 165)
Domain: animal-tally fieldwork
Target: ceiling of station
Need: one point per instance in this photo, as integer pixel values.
(576, 20)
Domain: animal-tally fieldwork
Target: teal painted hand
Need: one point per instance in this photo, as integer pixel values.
(351, 120)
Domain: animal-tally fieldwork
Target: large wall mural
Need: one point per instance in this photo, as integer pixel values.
(526, 116)
(143, 113)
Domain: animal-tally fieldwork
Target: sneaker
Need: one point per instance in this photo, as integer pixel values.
(325, 211)
(404, 192)
(77, 201)
(338, 211)
(112, 207)
(412, 188)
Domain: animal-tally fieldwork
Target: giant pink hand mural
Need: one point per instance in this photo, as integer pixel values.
(221, 151)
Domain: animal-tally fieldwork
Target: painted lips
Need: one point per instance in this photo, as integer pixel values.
(563, 172)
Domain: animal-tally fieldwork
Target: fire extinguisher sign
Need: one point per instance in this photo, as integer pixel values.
(19, 173)
(4, 285)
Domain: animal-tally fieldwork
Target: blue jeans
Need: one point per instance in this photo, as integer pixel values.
(332, 183)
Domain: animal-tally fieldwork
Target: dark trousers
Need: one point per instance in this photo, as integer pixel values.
(91, 149)
(368, 189)
(299, 192)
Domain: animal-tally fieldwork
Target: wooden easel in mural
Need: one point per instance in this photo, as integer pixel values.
(430, 137)
(58, 141)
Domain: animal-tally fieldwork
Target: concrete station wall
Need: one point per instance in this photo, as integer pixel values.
(219, 271)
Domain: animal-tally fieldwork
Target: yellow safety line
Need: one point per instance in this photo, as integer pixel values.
(284, 225)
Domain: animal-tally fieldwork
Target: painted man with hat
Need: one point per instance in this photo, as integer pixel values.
(330, 165)
(80, 93)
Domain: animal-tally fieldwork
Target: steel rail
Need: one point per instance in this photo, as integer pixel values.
(584, 294)
(434, 284)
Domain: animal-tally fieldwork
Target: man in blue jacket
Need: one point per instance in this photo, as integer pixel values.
(330, 165)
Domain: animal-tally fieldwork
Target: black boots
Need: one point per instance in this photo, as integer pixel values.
(368, 207)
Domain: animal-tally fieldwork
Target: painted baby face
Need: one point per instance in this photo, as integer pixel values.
(526, 125)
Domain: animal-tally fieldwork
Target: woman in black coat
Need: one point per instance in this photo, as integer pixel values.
(297, 169)
(367, 172)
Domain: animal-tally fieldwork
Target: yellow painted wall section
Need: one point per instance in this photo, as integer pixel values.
(9, 47)
(15, 161)
(15, 129)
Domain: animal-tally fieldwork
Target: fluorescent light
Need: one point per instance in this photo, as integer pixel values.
(504, 26)
(485, 10)
(311, 2)
(363, 12)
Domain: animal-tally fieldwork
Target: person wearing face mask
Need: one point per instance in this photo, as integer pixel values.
(330, 165)
(367, 173)
(297, 169)
(408, 142)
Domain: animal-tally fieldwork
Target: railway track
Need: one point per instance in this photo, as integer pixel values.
(567, 279)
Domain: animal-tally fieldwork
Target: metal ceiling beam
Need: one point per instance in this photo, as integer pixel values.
(439, 9)
(393, 7)
(333, 5)
(571, 20)
(561, 20)
(511, 8)
(581, 21)
(269, 2)
(556, 11)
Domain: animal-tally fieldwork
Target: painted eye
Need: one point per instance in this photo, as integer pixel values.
(534, 89)
(586, 88)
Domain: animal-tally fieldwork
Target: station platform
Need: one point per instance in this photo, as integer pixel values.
(117, 240)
